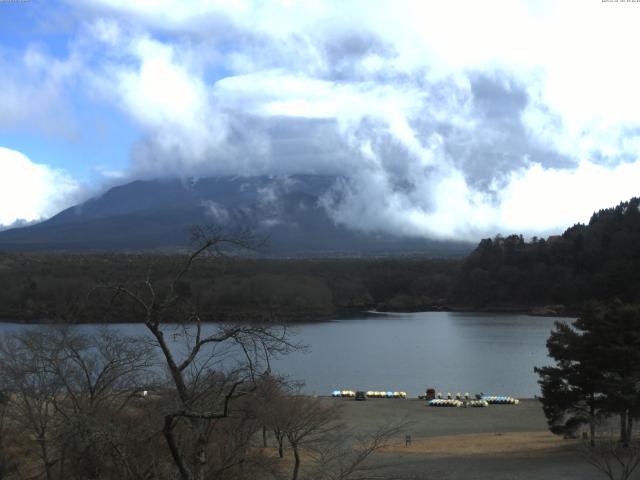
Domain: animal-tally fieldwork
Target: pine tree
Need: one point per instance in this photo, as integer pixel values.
(571, 391)
(615, 331)
(597, 372)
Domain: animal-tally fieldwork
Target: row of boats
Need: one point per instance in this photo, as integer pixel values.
(452, 402)
(500, 400)
(483, 401)
(458, 401)
(369, 394)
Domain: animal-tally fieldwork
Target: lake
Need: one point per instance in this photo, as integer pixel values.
(452, 352)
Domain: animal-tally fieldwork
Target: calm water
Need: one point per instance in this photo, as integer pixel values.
(453, 352)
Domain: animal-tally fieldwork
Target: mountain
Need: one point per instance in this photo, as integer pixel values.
(157, 214)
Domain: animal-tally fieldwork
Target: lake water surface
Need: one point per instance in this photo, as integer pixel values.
(452, 352)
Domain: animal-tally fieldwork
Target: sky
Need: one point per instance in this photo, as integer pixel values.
(447, 120)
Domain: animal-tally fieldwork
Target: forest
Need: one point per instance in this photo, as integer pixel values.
(556, 275)
(42, 286)
(597, 261)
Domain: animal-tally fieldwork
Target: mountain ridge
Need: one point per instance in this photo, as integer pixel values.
(147, 215)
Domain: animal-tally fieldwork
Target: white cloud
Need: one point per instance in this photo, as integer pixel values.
(219, 86)
(32, 91)
(161, 88)
(542, 199)
(31, 191)
(533, 201)
(216, 211)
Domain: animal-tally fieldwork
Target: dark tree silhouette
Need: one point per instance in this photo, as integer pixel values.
(597, 372)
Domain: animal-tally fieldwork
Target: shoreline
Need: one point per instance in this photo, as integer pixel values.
(306, 317)
(415, 399)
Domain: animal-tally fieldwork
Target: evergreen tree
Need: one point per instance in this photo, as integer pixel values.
(571, 391)
(597, 372)
(615, 334)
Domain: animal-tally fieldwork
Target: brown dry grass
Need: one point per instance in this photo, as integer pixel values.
(282, 467)
(511, 443)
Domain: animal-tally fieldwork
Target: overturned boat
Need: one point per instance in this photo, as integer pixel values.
(445, 402)
(388, 394)
(500, 400)
(343, 393)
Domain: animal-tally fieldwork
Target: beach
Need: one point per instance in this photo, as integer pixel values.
(497, 442)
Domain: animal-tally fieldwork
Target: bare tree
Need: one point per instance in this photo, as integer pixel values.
(69, 391)
(209, 366)
(309, 421)
(345, 454)
(32, 390)
(312, 427)
(101, 374)
(615, 459)
(271, 405)
(6, 464)
(96, 370)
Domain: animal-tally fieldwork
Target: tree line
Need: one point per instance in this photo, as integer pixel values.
(38, 287)
(597, 261)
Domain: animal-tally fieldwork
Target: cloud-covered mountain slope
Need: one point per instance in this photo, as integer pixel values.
(157, 214)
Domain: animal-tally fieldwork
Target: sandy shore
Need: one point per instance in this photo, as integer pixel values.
(497, 442)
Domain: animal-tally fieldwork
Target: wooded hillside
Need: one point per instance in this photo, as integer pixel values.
(598, 261)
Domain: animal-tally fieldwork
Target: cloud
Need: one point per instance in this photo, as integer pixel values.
(454, 120)
(539, 199)
(158, 88)
(30, 191)
(216, 211)
(306, 59)
(33, 91)
(533, 200)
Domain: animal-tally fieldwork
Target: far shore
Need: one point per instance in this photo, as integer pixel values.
(307, 317)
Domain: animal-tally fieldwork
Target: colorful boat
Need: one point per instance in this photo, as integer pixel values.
(500, 400)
